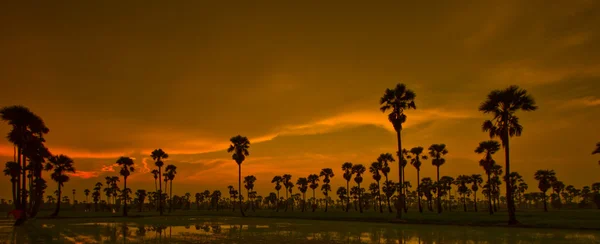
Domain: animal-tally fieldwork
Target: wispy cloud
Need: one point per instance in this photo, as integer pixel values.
(85, 174)
(588, 101)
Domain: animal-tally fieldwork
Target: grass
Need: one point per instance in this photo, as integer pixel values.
(581, 219)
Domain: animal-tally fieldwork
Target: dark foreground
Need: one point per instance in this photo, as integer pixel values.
(182, 229)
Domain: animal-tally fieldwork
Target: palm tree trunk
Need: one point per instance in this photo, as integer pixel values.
(277, 202)
(348, 198)
(314, 201)
(24, 184)
(379, 196)
(404, 190)
(512, 218)
(439, 196)
(171, 197)
(419, 191)
(124, 196)
(57, 202)
(465, 201)
(359, 200)
(326, 200)
(545, 202)
(475, 200)
(490, 208)
(401, 200)
(240, 187)
(14, 191)
(160, 207)
(303, 201)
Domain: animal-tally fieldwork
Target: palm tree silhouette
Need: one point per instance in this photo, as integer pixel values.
(249, 185)
(141, 195)
(302, 184)
(597, 150)
(342, 194)
(13, 169)
(287, 183)
(389, 188)
(86, 192)
(347, 168)
(403, 162)
(397, 100)
(489, 148)
(545, 179)
(327, 174)
(126, 164)
(170, 171)
(415, 160)
(503, 104)
(385, 159)
(558, 187)
(374, 169)
(277, 180)
(437, 151)
(158, 155)
(461, 182)
(476, 180)
(155, 173)
(313, 179)
(239, 146)
(61, 165)
(359, 169)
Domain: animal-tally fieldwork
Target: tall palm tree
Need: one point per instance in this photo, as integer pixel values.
(13, 169)
(303, 186)
(545, 179)
(415, 160)
(327, 174)
(158, 155)
(287, 181)
(597, 150)
(155, 173)
(437, 151)
(347, 168)
(171, 171)
(359, 169)
(476, 180)
(239, 146)
(126, 164)
(313, 179)
(489, 148)
(403, 162)
(374, 169)
(397, 100)
(503, 104)
(277, 180)
(61, 165)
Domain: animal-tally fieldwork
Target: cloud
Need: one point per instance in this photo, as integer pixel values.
(85, 174)
(109, 168)
(588, 101)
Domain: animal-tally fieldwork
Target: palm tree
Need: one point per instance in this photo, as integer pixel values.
(461, 182)
(61, 165)
(597, 150)
(347, 168)
(303, 186)
(489, 148)
(476, 180)
(287, 183)
(249, 184)
(403, 162)
(415, 160)
(374, 169)
(342, 194)
(171, 171)
(239, 146)
(397, 100)
(155, 173)
(277, 180)
(141, 195)
(503, 104)
(359, 169)
(558, 186)
(86, 192)
(385, 159)
(126, 164)
(158, 155)
(545, 179)
(73, 196)
(389, 188)
(327, 174)
(437, 151)
(13, 169)
(313, 179)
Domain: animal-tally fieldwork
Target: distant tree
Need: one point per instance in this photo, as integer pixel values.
(277, 180)
(359, 169)
(397, 100)
(239, 146)
(489, 148)
(389, 188)
(347, 168)
(461, 182)
(86, 192)
(61, 165)
(249, 185)
(385, 159)
(342, 194)
(437, 151)
(558, 187)
(375, 169)
(287, 183)
(415, 160)
(503, 104)
(303, 186)
(158, 155)
(476, 180)
(327, 174)
(313, 179)
(545, 179)
(597, 150)
(141, 196)
(13, 169)
(126, 164)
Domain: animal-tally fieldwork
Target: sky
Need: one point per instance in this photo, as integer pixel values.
(302, 81)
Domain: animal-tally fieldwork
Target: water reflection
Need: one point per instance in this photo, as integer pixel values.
(235, 230)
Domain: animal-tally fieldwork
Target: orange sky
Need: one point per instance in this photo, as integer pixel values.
(302, 81)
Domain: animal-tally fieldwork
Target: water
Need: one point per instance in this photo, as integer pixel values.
(256, 230)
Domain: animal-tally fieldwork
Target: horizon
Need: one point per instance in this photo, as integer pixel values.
(305, 93)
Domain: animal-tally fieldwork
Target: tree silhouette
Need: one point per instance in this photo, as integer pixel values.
(313, 179)
(287, 183)
(249, 185)
(374, 169)
(437, 151)
(342, 193)
(385, 159)
(277, 180)
(389, 188)
(461, 182)
(13, 169)
(327, 174)
(347, 168)
(558, 187)
(359, 169)
(476, 180)
(61, 165)
(415, 160)
(141, 195)
(86, 192)
(597, 151)
(397, 100)
(302, 184)
(170, 172)
(503, 104)
(158, 155)
(403, 188)
(489, 148)
(545, 179)
(239, 146)
(126, 164)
